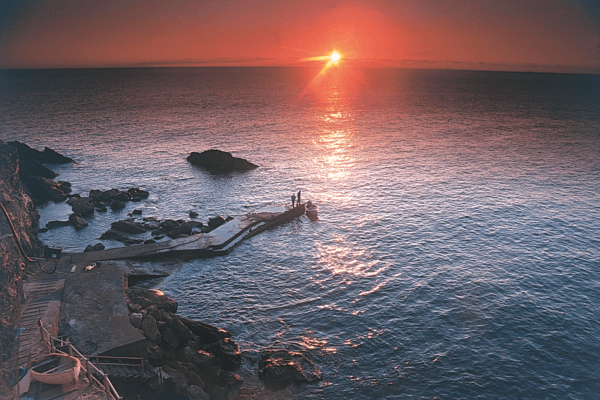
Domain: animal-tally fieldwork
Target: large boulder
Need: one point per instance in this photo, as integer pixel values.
(147, 298)
(150, 329)
(280, 367)
(129, 226)
(82, 205)
(207, 333)
(219, 161)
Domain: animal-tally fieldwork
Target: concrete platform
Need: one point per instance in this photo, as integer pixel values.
(217, 242)
(94, 313)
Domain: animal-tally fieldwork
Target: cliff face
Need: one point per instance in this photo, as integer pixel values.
(24, 216)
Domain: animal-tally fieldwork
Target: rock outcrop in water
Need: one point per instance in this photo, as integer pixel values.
(198, 357)
(38, 178)
(220, 161)
(279, 367)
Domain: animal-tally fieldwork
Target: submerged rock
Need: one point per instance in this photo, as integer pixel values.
(220, 161)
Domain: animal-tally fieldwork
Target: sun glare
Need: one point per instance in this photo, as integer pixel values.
(335, 56)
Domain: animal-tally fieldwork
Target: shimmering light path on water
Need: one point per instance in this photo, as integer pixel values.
(458, 246)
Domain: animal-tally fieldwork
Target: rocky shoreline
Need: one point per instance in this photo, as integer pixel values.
(199, 359)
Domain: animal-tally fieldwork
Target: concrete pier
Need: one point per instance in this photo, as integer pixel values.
(217, 242)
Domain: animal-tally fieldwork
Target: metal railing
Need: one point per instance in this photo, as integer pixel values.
(87, 366)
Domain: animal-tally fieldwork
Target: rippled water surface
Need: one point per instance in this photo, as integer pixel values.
(458, 246)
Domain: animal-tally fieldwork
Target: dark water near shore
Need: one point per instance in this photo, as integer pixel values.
(458, 249)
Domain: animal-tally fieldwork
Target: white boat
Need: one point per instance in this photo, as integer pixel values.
(311, 211)
(57, 369)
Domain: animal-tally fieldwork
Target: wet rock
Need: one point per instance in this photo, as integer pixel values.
(227, 353)
(78, 221)
(117, 205)
(82, 205)
(147, 298)
(112, 235)
(170, 337)
(133, 307)
(150, 329)
(129, 226)
(219, 161)
(43, 230)
(57, 195)
(96, 247)
(137, 212)
(57, 224)
(149, 241)
(122, 196)
(193, 214)
(279, 368)
(48, 156)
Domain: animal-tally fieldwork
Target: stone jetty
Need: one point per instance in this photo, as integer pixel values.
(216, 242)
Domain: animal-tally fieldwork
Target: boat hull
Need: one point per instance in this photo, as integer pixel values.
(61, 376)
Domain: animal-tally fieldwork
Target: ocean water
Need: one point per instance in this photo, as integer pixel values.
(458, 247)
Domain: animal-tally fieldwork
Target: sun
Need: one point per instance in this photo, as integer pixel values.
(335, 56)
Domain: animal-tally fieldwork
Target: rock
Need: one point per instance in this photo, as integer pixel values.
(136, 320)
(193, 214)
(207, 333)
(149, 241)
(98, 247)
(219, 161)
(215, 222)
(78, 221)
(217, 393)
(170, 337)
(48, 156)
(109, 194)
(102, 209)
(150, 329)
(227, 353)
(117, 205)
(196, 380)
(139, 193)
(203, 360)
(57, 224)
(43, 230)
(182, 331)
(112, 235)
(129, 226)
(177, 378)
(279, 368)
(137, 212)
(82, 205)
(195, 392)
(88, 248)
(133, 307)
(230, 381)
(155, 355)
(122, 196)
(57, 195)
(146, 298)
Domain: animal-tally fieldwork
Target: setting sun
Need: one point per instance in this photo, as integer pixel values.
(335, 56)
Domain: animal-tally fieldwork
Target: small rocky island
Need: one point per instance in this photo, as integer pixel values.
(220, 161)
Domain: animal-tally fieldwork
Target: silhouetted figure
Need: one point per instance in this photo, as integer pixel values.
(293, 200)
(298, 198)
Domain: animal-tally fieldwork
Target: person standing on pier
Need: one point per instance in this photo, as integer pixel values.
(298, 198)
(293, 200)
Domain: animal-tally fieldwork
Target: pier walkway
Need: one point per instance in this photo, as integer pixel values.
(216, 242)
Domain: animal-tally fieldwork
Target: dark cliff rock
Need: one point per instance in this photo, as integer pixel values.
(279, 367)
(38, 178)
(24, 216)
(220, 161)
(48, 156)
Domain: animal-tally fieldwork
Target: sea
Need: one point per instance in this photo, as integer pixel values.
(457, 251)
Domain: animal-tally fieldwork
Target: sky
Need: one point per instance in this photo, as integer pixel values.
(509, 35)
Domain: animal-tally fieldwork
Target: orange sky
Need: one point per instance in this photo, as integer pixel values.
(533, 35)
